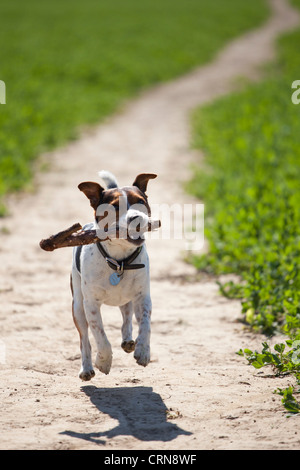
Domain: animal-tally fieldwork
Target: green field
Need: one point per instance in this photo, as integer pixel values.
(250, 186)
(70, 63)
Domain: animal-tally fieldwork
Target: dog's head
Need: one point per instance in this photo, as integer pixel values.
(121, 212)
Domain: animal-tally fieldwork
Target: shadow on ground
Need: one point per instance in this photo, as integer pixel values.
(140, 412)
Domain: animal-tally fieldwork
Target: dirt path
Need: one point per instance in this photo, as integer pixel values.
(196, 393)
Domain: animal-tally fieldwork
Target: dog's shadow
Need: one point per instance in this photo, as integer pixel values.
(140, 412)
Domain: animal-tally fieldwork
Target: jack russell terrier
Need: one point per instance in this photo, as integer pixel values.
(114, 271)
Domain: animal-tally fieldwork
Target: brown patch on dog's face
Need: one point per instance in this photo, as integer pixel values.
(136, 196)
(131, 194)
(110, 197)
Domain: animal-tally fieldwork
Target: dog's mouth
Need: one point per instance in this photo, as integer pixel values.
(133, 233)
(135, 237)
(136, 241)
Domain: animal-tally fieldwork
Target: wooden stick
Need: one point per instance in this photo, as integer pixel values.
(69, 237)
(75, 236)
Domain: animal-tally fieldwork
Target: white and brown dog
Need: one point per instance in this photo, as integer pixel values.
(114, 271)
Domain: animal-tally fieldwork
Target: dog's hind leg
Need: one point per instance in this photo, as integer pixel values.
(86, 371)
(127, 342)
(104, 354)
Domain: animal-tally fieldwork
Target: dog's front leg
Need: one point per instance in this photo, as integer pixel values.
(127, 342)
(104, 353)
(142, 309)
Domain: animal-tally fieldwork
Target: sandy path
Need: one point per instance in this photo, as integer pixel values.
(216, 400)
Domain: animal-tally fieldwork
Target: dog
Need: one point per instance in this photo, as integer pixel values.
(114, 271)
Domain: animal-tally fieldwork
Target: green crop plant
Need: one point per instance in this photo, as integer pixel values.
(249, 183)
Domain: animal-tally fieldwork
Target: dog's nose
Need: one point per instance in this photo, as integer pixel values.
(135, 221)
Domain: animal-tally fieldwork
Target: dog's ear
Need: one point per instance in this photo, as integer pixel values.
(141, 181)
(93, 192)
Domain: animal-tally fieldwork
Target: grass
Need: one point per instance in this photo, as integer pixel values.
(70, 63)
(250, 186)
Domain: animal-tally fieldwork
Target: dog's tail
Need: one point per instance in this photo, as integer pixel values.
(109, 179)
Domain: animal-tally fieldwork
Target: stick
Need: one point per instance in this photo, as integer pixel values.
(69, 237)
(75, 236)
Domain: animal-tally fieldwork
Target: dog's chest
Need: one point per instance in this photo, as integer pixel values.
(103, 284)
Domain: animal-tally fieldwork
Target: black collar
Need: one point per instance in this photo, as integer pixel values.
(123, 264)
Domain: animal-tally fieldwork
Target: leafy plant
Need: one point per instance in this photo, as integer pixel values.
(289, 401)
(250, 186)
(282, 362)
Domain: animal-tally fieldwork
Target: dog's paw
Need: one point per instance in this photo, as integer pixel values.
(86, 375)
(128, 346)
(142, 354)
(103, 362)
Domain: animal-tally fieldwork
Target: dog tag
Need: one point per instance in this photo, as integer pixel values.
(114, 279)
